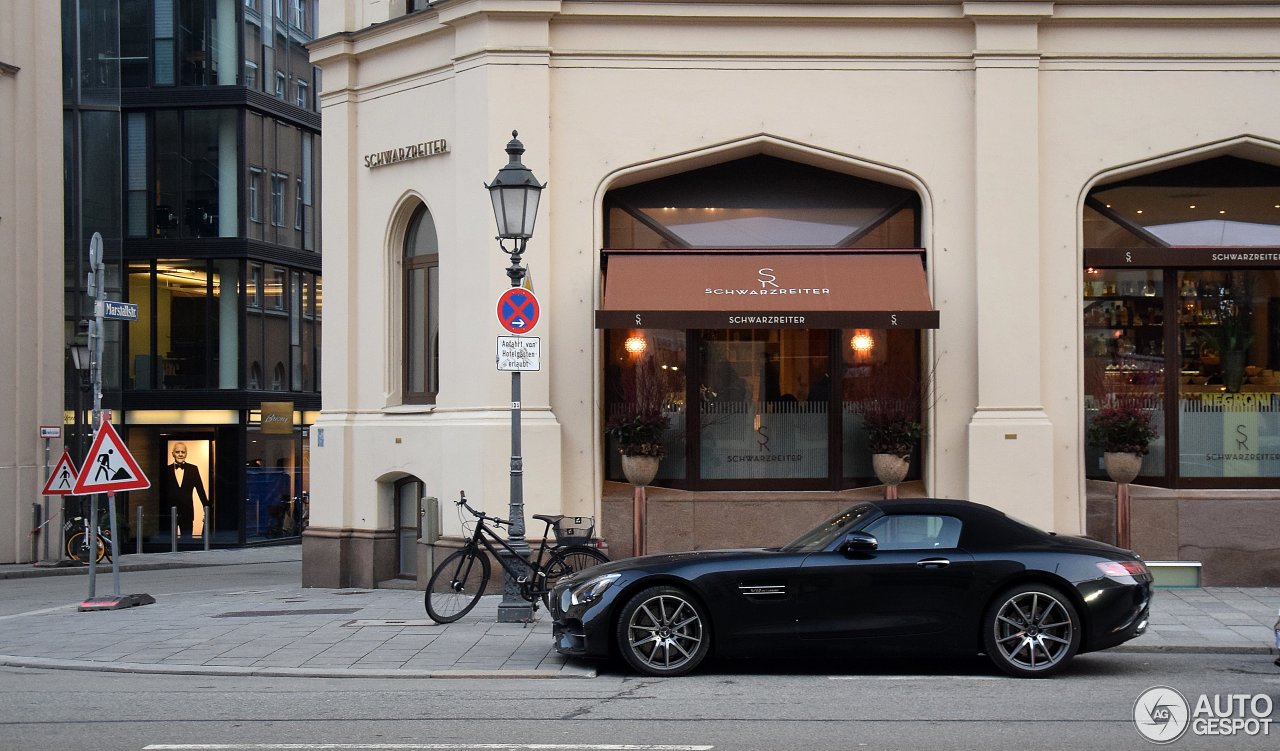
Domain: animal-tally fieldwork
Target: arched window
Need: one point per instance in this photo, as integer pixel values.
(1181, 322)
(421, 309)
(763, 407)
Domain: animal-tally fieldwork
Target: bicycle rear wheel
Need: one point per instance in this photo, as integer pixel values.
(456, 585)
(569, 560)
(78, 548)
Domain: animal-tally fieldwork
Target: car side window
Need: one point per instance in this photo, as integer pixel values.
(915, 532)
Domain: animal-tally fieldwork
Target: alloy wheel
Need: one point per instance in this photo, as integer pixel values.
(665, 633)
(1034, 632)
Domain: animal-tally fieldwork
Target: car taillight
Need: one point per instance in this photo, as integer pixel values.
(1123, 568)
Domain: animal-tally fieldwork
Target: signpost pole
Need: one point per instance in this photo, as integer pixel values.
(97, 290)
(115, 546)
(89, 480)
(46, 528)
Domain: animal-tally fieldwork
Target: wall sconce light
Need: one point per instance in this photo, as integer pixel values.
(861, 342)
(635, 345)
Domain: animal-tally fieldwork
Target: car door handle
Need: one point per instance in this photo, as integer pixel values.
(933, 563)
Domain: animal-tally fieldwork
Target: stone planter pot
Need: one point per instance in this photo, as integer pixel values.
(1122, 467)
(640, 470)
(890, 469)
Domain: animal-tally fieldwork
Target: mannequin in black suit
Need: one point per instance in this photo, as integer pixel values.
(176, 485)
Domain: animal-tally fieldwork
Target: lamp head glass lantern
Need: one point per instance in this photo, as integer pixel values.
(515, 193)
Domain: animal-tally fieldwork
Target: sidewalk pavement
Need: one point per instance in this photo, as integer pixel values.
(283, 629)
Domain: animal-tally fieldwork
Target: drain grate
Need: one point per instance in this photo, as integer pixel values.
(396, 622)
(263, 613)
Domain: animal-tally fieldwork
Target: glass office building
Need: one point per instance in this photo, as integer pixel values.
(192, 145)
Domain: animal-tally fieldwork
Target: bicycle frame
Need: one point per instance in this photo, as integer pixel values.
(481, 538)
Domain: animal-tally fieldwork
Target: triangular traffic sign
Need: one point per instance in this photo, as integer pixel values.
(109, 468)
(63, 478)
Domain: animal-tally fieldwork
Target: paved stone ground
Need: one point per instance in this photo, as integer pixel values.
(284, 629)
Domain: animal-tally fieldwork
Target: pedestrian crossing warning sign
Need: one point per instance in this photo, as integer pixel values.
(63, 478)
(109, 468)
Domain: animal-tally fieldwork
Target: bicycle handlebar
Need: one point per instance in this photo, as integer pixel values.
(462, 501)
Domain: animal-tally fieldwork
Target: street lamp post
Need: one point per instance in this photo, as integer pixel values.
(515, 193)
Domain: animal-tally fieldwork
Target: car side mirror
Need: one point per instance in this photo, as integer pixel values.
(858, 542)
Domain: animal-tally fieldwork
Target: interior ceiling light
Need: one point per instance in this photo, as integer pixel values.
(635, 345)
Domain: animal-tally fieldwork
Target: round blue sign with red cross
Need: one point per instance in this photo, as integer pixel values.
(518, 310)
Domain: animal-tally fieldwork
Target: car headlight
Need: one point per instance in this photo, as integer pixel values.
(591, 589)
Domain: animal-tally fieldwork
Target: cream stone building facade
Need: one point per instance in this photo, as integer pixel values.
(31, 334)
(999, 125)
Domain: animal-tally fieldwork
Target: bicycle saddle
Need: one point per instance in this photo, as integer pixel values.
(548, 518)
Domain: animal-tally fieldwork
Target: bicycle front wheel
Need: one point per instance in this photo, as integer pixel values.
(456, 585)
(78, 548)
(569, 560)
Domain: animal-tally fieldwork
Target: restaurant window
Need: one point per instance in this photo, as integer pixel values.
(1181, 316)
(421, 309)
(770, 408)
(759, 407)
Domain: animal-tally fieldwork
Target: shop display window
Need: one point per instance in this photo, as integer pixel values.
(1181, 319)
(774, 408)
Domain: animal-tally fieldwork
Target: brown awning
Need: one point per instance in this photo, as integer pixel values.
(691, 290)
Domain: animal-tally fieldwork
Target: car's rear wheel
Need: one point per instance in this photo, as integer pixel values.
(663, 631)
(1031, 631)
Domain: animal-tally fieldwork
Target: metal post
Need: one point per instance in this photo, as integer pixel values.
(639, 514)
(1122, 515)
(46, 529)
(115, 545)
(204, 528)
(37, 527)
(91, 535)
(514, 608)
(97, 286)
(173, 529)
(137, 532)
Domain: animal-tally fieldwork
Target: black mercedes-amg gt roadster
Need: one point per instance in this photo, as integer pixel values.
(900, 577)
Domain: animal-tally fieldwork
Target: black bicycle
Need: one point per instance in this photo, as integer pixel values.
(459, 581)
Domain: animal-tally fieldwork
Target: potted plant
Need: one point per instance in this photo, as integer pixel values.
(1123, 431)
(1232, 337)
(639, 437)
(891, 435)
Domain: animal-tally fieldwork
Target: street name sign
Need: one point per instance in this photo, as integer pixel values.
(119, 311)
(519, 353)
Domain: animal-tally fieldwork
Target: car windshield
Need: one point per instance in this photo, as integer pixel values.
(825, 533)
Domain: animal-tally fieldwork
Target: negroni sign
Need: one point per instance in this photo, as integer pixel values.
(406, 153)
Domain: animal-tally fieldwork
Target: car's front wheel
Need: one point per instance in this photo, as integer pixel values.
(663, 631)
(1031, 631)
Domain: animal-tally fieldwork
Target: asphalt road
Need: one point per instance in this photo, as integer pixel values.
(745, 706)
